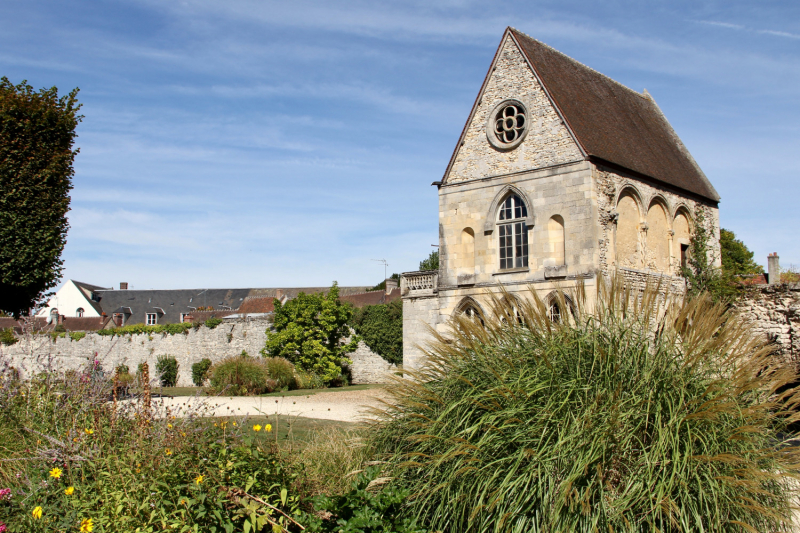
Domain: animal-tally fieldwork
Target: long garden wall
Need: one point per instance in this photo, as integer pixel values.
(33, 354)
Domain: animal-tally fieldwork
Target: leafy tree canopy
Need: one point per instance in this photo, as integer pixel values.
(737, 259)
(310, 332)
(381, 327)
(700, 273)
(431, 263)
(37, 134)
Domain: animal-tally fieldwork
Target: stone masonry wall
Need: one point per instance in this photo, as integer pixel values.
(37, 353)
(775, 313)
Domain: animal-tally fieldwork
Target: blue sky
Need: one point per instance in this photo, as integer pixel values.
(258, 143)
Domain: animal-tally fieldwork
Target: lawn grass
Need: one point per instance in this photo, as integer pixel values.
(287, 429)
(198, 391)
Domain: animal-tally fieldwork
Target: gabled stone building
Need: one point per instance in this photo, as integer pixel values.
(560, 173)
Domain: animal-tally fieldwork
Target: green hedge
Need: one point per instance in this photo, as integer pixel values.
(135, 329)
(381, 327)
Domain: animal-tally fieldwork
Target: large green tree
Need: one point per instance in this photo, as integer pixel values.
(737, 259)
(431, 263)
(310, 331)
(37, 134)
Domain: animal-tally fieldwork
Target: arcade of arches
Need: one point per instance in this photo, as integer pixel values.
(653, 239)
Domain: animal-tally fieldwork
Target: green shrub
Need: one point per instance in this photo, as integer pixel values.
(77, 335)
(213, 322)
(281, 370)
(308, 380)
(123, 369)
(7, 337)
(137, 329)
(200, 370)
(167, 370)
(238, 376)
(596, 423)
(381, 328)
(60, 328)
(364, 509)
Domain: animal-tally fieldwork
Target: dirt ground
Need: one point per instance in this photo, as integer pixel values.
(349, 406)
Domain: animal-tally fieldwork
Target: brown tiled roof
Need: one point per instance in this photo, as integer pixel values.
(614, 123)
(8, 322)
(371, 298)
(259, 304)
(610, 122)
(86, 323)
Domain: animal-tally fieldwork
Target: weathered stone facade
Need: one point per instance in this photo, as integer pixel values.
(574, 216)
(36, 353)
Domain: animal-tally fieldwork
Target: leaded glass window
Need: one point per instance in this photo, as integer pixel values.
(513, 233)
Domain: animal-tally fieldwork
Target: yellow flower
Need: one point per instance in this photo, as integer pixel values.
(69, 491)
(234, 423)
(223, 424)
(56, 473)
(89, 431)
(268, 428)
(75, 439)
(37, 512)
(169, 426)
(256, 428)
(183, 434)
(86, 525)
(198, 479)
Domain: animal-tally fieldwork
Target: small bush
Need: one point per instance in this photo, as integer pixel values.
(60, 328)
(381, 327)
(213, 322)
(167, 370)
(308, 380)
(7, 337)
(137, 329)
(281, 370)
(77, 335)
(238, 376)
(366, 508)
(199, 371)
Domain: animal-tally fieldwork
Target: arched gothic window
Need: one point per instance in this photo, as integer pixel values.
(79, 312)
(513, 233)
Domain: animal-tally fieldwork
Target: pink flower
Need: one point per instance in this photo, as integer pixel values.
(5, 494)
(2, 527)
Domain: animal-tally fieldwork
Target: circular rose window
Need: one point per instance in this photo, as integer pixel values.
(507, 125)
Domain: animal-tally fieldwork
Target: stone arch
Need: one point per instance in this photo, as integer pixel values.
(470, 307)
(53, 318)
(658, 238)
(627, 239)
(554, 306)
(505, 192)
(682, 235)
(556, 242)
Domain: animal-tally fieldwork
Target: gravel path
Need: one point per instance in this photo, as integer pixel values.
(349, 406)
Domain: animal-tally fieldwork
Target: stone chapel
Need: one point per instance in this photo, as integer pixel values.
(560, 174)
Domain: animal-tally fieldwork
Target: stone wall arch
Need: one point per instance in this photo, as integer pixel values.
(682, 229)
(470, 307)
(658, 255)
(505, 192)
(628, 239)
(556, 242)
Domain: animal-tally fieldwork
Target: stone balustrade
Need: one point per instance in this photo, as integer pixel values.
(419, 284)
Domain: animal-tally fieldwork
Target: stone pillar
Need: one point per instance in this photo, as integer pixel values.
(774, 268)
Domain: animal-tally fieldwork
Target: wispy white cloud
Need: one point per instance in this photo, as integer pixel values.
(729, 25)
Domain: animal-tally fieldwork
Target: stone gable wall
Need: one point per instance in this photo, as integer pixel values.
(547, 143)
(34, 354)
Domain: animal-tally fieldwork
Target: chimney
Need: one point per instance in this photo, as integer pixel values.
(390, 285)
(774, 268)
(279, 294)
(123, 286)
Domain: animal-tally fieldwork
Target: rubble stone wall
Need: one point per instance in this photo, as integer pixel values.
(36, 353)
(775, 312)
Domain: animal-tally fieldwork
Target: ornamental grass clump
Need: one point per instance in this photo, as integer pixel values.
(238, 376)
(629, 412)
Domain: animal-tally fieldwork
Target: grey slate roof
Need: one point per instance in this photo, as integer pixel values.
(172, 302)
(91, 289)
